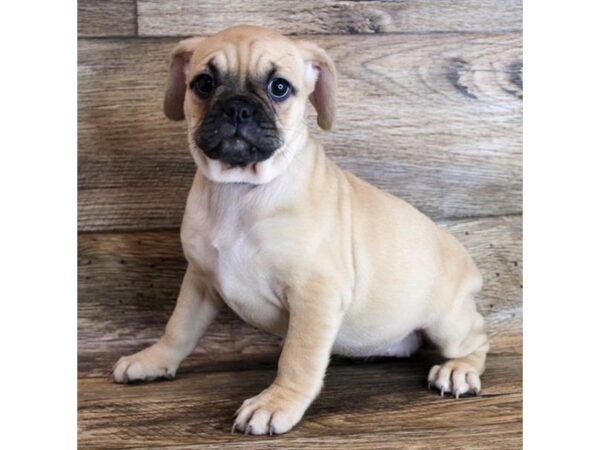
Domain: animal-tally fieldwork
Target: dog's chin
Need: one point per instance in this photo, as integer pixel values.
(237, 152)
(232, 164)
(258, 170)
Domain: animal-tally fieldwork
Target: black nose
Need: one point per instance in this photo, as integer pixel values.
(239, 111)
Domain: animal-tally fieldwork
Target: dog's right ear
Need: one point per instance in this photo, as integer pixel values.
(175, 94)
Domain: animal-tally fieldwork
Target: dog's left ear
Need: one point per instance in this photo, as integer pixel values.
(175, 93)
(320, 70)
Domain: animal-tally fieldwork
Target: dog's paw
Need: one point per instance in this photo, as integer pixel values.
(455, 377)
(150, 364)
(274, 411)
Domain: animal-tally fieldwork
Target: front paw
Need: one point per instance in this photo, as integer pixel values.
(149, 364)
(274, 411)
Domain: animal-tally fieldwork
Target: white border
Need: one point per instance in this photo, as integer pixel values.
(38, 226)
(38, 185)
(562, 228)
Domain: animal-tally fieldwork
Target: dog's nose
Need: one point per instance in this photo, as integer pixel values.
(239, 111)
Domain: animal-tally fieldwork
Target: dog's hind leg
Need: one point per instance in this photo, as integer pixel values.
(459, 334)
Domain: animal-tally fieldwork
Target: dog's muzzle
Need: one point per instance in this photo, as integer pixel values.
(239, 132)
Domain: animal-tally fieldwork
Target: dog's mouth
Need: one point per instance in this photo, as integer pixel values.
(236, 151)
(237, 147)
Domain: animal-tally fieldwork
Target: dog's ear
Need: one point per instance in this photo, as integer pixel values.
(320, 71)
(175, 93)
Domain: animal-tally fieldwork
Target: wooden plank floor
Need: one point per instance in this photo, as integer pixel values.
(377, 404)
(430, 109)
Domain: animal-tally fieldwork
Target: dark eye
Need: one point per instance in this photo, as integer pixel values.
(203, 85)
(279, 89)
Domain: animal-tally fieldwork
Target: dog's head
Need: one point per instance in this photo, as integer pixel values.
(243, 93)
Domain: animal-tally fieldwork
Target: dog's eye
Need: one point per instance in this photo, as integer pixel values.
(279, 89)
(203, 85)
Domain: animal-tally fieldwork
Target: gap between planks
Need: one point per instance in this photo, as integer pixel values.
(307, 36)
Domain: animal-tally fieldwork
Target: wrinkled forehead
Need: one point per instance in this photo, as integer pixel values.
(249, 57)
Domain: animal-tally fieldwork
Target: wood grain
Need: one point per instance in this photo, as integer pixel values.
(157, 18)
(106, 18)
(128, 283)
(433, 118)
(382, 404)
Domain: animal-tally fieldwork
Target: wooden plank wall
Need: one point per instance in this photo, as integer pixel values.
(430, 106)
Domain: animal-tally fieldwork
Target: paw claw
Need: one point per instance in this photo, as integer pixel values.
(455, 377)
(248, 430)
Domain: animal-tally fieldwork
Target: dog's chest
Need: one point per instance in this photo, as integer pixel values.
(226, 247)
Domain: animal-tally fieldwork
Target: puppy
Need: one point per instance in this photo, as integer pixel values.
(292, 243)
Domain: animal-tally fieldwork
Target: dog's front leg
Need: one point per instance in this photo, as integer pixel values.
(315, 317)
(196, 308)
